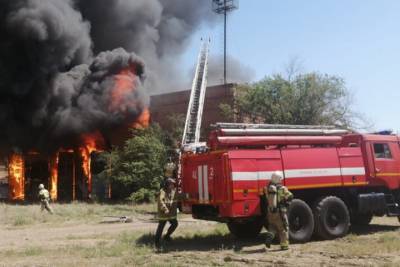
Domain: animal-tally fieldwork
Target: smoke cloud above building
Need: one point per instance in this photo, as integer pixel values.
(69, 67)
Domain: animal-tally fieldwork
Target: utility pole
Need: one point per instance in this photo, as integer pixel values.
(223, 7)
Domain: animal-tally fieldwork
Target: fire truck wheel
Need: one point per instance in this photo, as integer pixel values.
(301, 221)
(331, 217)
(361, 219)
(248, 229)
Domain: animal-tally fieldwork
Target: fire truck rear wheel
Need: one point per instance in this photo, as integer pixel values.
(248, 229)
(301, 221)
(332, 218)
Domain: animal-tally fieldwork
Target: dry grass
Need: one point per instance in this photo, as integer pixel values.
(196, 243)
(125, 249)
(383, 243)
(26, 215)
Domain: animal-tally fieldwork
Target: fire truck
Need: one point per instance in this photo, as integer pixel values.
(338, 178)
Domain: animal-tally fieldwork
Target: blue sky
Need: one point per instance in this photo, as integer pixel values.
(357, 40)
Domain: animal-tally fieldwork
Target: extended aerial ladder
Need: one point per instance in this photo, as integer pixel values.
(191, 132)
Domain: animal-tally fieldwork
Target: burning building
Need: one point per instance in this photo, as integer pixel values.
(73, 69)
(65, 168)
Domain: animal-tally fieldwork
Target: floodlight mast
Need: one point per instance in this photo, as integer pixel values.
(223, 7)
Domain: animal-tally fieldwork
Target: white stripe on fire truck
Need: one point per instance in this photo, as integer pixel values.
(303, 173)
(200, 182)
(205, 178)
(353, 171)
(298, 173)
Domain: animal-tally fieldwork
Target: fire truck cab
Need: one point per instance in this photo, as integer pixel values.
(337, 178)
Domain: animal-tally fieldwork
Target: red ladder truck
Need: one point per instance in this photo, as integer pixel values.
(338, 178)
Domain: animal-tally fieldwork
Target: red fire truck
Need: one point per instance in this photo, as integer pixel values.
(338, 178)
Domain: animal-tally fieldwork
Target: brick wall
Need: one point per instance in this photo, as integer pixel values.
(164, 105)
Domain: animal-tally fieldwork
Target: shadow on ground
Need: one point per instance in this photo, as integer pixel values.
(227, 241)
(372, 228)
(203, 242)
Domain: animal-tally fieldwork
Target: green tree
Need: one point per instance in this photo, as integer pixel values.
(138, 164)
(176, 123)
(305, 99)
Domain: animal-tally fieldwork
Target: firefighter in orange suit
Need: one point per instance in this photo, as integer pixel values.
(167, 206)
(278, 199)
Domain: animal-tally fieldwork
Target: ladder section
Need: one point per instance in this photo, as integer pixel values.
(191, 133)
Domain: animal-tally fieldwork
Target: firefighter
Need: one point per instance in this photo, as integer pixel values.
(44, 197)
(278, 199)
(167, 211)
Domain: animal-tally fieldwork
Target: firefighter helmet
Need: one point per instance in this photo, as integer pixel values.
(276, 177)
(169, 169)
(41, 186)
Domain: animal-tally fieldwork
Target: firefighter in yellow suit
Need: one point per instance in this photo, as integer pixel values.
(44, 197)
(167, 206)
(278, 199)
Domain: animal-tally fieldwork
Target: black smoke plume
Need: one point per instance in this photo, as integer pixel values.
(59, 60)
(156, 30)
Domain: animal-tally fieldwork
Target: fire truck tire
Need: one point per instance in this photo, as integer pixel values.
(332, 218)
(301, 221)
(361, 219)
(248, 229)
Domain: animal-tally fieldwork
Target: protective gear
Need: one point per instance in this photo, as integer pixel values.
(277, 227)
(276, 177)
(170, 181)
(167, 211)
(169, 169)
(272, 198)
(160, 228)
(278, 198)
(167, 205)
(44, 197)
(269, 239)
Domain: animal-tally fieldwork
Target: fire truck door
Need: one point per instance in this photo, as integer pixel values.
(386, 159)
(352, 166)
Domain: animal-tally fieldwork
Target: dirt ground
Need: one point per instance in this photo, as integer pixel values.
(196, 243)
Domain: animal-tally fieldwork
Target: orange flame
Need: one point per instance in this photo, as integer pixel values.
(91, 142)
(53, 164)
(16, 177)
(123, 88)
(144, 119)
